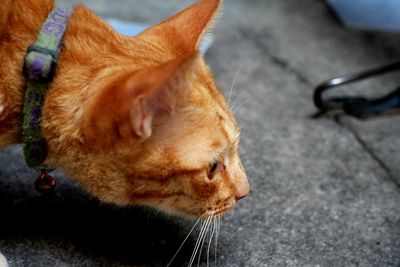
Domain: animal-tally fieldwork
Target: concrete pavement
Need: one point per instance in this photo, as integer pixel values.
(324, 192)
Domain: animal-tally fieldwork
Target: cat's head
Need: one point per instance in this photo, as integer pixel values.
(161, 134)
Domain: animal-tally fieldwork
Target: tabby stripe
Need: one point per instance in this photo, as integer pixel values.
(170, 175)
(157, 195)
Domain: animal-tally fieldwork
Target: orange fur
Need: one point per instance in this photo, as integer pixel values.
(135, 120)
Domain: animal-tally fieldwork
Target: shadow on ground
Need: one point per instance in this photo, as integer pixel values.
(129, 236)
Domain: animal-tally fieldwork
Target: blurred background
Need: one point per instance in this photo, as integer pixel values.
(324, 192)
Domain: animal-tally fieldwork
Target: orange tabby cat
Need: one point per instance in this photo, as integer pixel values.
(135, 120)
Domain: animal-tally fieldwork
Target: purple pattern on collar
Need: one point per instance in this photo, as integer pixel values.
(57, 22)
(40, 63)
(56, 25)
(37, 66)
(36, 114)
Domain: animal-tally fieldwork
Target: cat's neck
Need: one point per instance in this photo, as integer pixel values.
(91, 49)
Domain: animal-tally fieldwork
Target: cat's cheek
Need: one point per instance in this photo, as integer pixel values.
(203, 188)
(181, 206)
(212, 196)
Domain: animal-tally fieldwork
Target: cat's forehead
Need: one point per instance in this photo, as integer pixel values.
(228, 127)
(213, 136)
(218, 105)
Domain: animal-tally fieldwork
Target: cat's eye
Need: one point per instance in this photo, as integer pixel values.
(214, 168)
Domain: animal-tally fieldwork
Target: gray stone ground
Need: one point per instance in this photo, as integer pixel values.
(324, 192)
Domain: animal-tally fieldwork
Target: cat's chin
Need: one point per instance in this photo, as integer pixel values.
(172, 213)
(220, 212)
(210, 213)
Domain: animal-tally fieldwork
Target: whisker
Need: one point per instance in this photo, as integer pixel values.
(216, 240)
(240, 68)
(204, 239)
(187, 236)
(202, 244)
(234, 103)
(209, 244)
(215, 250)
(199, 239)
(241, 104)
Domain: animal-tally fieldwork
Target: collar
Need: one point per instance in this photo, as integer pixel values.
(39, 69)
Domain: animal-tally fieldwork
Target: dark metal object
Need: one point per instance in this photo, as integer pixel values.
(357, 106)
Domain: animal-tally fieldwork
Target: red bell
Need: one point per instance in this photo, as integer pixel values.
(45, 183)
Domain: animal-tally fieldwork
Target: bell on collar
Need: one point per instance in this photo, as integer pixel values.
(45, 183)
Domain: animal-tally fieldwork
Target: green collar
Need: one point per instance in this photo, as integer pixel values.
(40, 64)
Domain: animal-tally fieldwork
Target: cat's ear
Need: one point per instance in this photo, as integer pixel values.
(183, 32)
(126, 108)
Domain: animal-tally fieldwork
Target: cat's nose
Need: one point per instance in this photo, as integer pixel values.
(241, 185)
(240, 197)
(242, 191)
